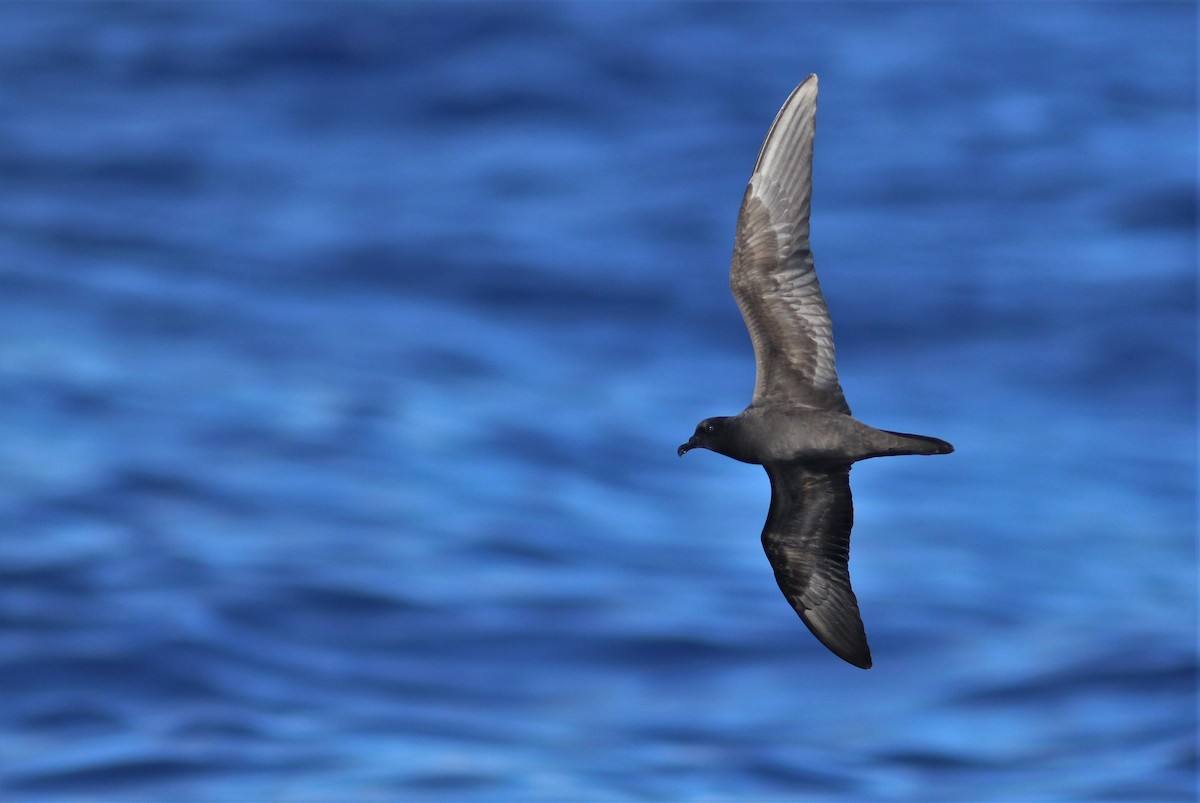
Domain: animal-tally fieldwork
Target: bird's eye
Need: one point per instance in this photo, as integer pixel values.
(709, 428)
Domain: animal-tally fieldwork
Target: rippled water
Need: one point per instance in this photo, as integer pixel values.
(344, 350)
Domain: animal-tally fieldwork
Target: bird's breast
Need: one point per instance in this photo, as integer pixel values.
(799, 434)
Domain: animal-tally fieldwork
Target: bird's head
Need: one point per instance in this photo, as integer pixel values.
(711, 433)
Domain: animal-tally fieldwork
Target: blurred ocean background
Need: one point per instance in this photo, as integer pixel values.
(345, 348)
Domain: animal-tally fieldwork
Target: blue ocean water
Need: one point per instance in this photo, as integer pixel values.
(345, 348)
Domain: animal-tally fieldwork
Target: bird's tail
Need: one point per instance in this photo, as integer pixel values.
(904, 443)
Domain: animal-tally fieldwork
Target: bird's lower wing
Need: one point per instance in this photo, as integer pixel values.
(807, 540)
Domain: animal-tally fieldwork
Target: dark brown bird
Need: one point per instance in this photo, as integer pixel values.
(798, 425)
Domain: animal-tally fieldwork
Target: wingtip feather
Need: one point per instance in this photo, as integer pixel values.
(848, 642)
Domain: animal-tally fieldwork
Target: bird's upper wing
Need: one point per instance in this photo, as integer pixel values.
(772, 276)
(807, 540)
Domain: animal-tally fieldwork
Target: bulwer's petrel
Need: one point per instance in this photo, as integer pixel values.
(798, 425)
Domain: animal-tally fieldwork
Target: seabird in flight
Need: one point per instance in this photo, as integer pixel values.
(798, 425)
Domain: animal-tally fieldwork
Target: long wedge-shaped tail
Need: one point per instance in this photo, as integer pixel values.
(905, 443)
